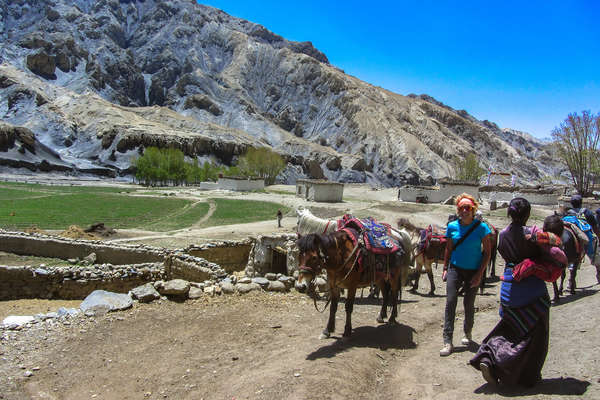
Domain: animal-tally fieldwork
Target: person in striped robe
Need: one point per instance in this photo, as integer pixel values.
(513, 353)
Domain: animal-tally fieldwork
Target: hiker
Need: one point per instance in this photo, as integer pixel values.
(515, 350)
(279, 217)
(464, 266)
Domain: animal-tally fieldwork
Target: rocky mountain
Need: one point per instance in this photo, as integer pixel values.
(86, 85)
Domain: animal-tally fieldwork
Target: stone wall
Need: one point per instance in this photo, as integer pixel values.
(32, 244)
(74, 282)
(193, 269)
(230, 255)
(266, 249)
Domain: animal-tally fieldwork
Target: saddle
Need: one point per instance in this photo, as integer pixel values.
(376, 243)
(433, 234)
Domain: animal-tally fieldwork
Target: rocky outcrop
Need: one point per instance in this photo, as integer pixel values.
(221, 85)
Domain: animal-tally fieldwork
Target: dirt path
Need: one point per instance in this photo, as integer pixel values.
(265, 346)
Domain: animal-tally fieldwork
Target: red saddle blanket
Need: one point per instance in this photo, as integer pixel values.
(377, 236)
(432, 233)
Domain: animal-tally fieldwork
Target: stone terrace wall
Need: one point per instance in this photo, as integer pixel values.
(193, 269)
(230, 255)
(32, 244)
(74, 282)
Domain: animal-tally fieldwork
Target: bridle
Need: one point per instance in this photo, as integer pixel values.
(322, 260)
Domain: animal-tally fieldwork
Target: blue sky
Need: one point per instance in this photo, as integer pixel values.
(524, 65)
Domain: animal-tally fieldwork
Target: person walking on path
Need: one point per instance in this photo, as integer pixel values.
(515, 350)
(279, 217)
(464, 266)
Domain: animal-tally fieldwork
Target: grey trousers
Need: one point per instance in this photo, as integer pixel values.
(456, 279)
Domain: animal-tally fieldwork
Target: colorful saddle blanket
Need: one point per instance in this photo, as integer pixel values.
(377, 236)
(432, 233)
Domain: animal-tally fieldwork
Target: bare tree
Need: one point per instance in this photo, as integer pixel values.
(577, 140)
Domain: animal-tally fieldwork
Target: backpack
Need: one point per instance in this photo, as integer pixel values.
(579, 220)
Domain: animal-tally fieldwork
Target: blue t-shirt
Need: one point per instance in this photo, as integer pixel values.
(468, 254)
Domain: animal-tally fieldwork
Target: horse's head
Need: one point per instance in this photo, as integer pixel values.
(311, 259)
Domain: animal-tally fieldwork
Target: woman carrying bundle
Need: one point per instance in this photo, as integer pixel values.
(515, 350)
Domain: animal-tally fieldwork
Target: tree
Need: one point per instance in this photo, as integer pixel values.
(261, 162)
(468, 169)
(576, 141)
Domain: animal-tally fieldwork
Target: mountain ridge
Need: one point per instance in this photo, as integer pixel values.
(238, 81)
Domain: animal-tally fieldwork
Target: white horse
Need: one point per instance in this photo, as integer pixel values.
(309, 223)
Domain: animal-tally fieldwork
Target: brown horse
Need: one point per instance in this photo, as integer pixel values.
(433, 252)
(337, 254)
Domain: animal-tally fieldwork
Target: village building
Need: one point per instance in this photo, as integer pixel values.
(319, 190)
(444, 190)
(237, 184)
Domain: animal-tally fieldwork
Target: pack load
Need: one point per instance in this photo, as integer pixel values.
(579, 220)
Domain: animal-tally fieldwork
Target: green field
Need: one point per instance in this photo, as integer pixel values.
(58, 207)
(232, 211)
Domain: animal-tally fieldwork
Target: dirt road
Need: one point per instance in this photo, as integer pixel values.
(265, 346)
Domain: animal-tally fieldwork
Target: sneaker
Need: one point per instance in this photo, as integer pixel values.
(466, 340)
(446, 350)
(486, 372)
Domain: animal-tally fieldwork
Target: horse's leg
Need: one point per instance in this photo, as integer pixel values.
(430, 276)
(417, 276)
(335, 297)
(562, 282)
(556, 299)
(493, 259)
(386, 298)
(349, 307)
(394, 297)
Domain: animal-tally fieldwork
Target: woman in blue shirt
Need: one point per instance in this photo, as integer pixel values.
(515, 350)
(464, 266)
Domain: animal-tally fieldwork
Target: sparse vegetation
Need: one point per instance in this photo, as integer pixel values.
(468, 169)
(168, 167)
(577, 140)
(261, 162)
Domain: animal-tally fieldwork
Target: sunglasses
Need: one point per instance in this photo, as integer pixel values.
(465, 208)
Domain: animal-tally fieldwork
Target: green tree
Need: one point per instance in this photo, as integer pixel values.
(263, 163)
(468, 169)
(576, 140)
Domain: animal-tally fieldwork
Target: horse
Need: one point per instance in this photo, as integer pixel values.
(433, 251)
(491, 267)
(309, 223)
(337, 254)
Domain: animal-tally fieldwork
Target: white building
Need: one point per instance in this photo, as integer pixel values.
(240, 184)
(437, 194)
(319, 190)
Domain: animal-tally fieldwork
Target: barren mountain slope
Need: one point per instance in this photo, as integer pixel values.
(234, 84)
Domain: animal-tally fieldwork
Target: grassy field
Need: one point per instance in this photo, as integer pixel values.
(58, 207)
(232, 211)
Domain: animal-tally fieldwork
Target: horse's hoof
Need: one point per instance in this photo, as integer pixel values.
(346, 335)
(392, 321)
(430, 293)
(324, 336)
(380, 320)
